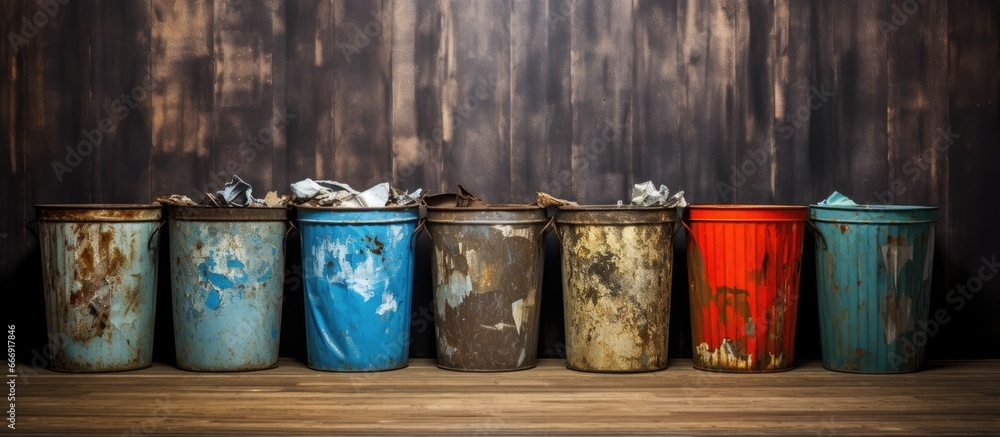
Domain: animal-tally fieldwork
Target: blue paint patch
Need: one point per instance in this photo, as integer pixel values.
(213, 300)
(234, 263)
(274, 251)
(219, 281)
(274, 332)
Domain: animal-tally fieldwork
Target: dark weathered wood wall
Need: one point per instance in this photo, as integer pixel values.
(768, 101)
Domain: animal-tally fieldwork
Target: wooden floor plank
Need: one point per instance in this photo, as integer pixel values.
(947, 397)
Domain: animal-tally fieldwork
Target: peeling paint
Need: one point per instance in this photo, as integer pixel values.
(895, 254)
(226, 302)
(744, 268)
(886, 259)
(388, 304)
(356, 264)
(897, 317)
(487, 279)
(520, 315)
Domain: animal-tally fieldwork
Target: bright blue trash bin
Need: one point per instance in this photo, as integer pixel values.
(357, 266)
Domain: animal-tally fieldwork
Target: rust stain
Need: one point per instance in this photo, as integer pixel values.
(486, 282)
(617, 293)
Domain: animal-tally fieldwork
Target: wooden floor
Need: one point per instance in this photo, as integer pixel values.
(948, 397)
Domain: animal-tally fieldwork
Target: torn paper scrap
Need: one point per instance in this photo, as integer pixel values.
(546, 200)
(646, 194)
(837, 199)
(235, 193)
(308, 192)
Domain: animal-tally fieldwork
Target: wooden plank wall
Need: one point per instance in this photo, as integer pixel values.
(774, 101)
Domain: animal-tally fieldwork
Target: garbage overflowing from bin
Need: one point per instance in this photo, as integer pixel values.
(358, 255)
(617, 269)
(227, 264)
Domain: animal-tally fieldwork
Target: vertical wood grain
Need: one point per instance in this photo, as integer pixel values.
(973, 111)
(529, 106)
(280, 116)
(362, 96)
(57, 101)
(476, 98)
(917, 96)
(602, 92)
(708, 32)
(244, 122)
(796, 101)
(309, 90)
(851, 127)
(12, 177)
(752, 140)
(417, 134)
(659, 95)
(181, 55)
(121, 102)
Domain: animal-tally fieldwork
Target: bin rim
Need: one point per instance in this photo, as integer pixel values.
(614, 215)
(91, 212)
(340, 211)
(481, 215)
(610, 207)
(356, 208)
(745, 213)
(500, 207)
(850, 214)
(875, 207)
(204, 213)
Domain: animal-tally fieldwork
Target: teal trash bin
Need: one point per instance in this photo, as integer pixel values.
(873, 279)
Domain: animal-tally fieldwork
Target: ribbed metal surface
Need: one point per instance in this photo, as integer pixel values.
(873, 278)
(357, 265)
(743, 268)
(487, 273)
(617, 268)
(99, 273)
(227, 279)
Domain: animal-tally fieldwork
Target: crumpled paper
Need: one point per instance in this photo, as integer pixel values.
(236, 193)
(308, 192)
(837, 199)
(646, 194)
(547, 200)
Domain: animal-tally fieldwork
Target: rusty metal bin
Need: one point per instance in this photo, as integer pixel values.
(617, 268)
(487, 273)
(99, 274)
(227, 276)
(873, 279)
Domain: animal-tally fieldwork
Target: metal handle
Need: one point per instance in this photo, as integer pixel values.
(284, 241)
(421, 227)
(812, 227)
(149, 243)
(690, 231)
(548, 226)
